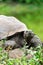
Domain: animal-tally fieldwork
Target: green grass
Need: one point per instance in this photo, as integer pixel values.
(37, 58)
(31, 15)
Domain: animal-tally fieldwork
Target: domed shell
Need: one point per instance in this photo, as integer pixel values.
(9, 25)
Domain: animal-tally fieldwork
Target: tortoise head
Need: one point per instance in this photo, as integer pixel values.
(28, 34)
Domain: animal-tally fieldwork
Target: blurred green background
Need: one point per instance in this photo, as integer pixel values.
(28, 11)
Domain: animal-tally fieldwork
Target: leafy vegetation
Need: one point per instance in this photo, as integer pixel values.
(24, 1)
(37, 58)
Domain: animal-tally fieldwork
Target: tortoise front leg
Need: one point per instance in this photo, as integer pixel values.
(9, 45)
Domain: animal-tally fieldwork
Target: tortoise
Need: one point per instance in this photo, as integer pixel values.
(16, 33)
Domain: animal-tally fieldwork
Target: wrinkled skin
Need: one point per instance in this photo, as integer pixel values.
(20, 39)
(15, 41)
